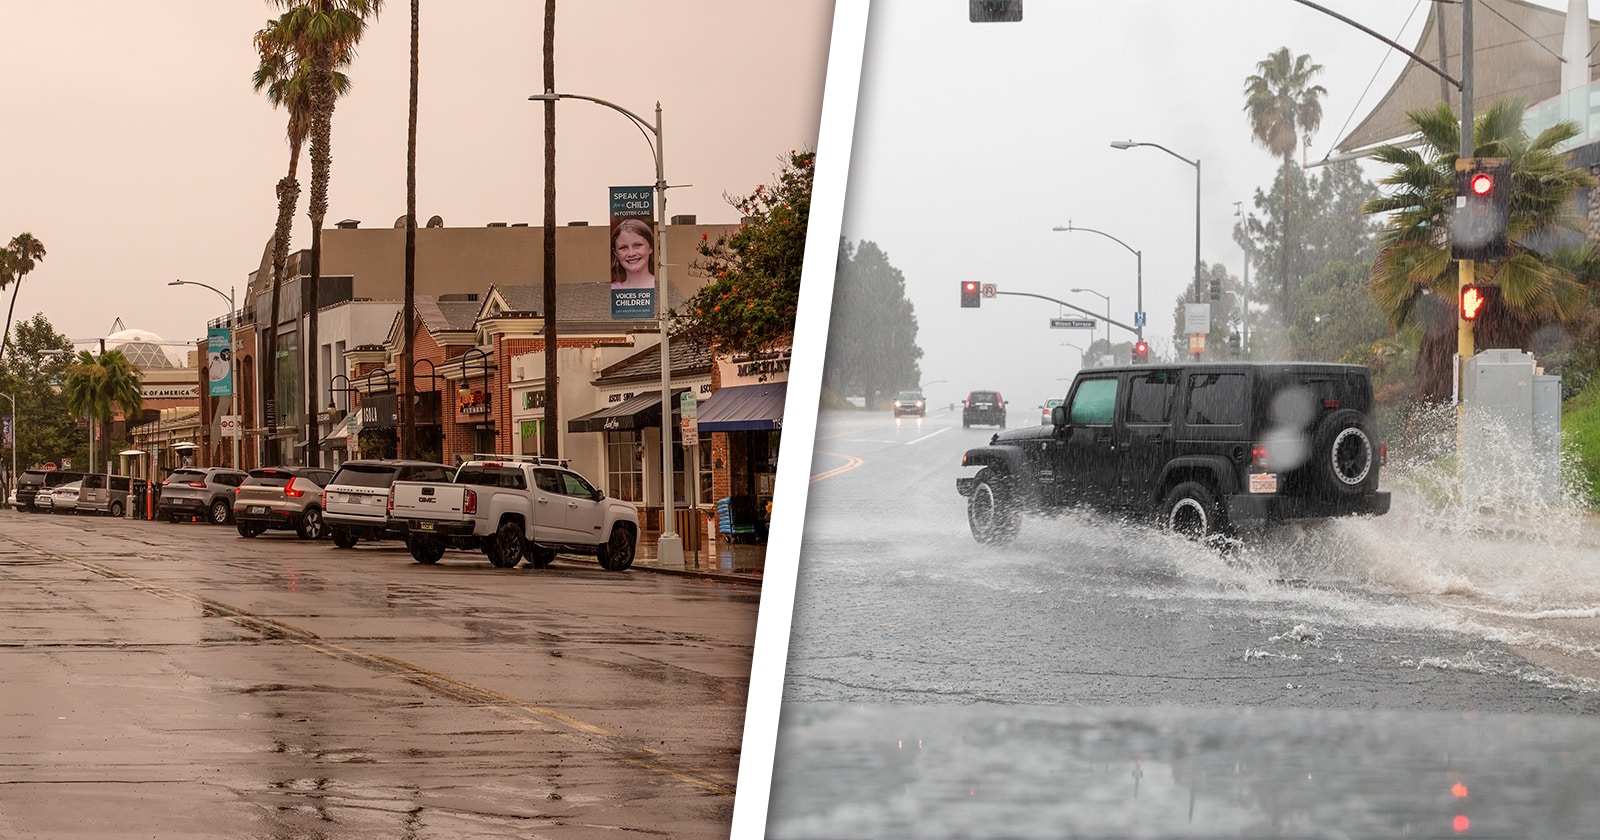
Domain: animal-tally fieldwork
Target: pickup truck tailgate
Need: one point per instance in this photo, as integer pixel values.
(428, 500)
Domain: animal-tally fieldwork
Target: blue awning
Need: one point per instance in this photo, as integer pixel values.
(744, 408)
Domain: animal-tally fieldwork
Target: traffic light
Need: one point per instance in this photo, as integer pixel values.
(1216, 289)
(994, 11)
(1141, 353)
(1479, 228)
(969, 293)
(1474, 299)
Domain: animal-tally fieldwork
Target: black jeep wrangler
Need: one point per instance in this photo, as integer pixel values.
(1207, 448)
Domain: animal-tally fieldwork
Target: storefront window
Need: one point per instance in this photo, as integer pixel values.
(624, 467)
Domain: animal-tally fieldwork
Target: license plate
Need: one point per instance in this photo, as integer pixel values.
(256, 509)
(1263, 482)
(424, 525)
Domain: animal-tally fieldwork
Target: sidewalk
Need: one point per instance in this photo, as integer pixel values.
(743, 562)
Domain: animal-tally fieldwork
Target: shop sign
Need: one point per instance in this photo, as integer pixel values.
(472, 407)
(532, 399)
(756, 369)
(169, 392)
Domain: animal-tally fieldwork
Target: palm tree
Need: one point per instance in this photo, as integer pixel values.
(285, 76)
(551, 442)
(1283, 105)
(1415, 280)
(408, 421)
(17, 260)
(324, 33)
(98, 387)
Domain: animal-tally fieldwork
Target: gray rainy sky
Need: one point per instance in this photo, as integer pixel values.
(136, 151)
(974, 140)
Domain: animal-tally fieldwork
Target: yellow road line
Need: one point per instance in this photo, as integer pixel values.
(851, 462)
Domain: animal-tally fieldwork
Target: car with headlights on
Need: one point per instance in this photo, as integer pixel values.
(282, 499)
(910, 402)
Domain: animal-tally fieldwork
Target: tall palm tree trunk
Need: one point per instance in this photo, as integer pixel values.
(1288, 317)
(10, 309)
(552, 440)
(321, 161)
(408, 421)
(288, 199)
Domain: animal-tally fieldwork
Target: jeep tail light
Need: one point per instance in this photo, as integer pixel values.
(1383, 454)
(198, 485)
(469, 504)
(288, 490)
(1330, 404)
(1258, 455)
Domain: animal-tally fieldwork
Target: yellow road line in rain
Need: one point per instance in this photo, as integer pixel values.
(851, 462)
(545, 718)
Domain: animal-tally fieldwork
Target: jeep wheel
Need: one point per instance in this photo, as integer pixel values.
(990, 511)
(505, 547)
(1191, 510)
(343, 537)
(221, 511)
(1344, 460)
(617, 553)
(424, 550)
(539, 556)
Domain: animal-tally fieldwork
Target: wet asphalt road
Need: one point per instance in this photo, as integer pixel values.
(1335, 680)
(174, 680)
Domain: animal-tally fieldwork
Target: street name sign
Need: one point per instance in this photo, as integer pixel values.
(1072, 323)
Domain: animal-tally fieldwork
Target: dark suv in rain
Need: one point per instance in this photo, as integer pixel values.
(32, 481)
(1204, 449)
(983, 408)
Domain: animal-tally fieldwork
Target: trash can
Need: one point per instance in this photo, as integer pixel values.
(684, 521)
(138, 498)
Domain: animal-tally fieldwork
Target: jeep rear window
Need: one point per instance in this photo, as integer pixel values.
(1216, 399)
(1150, 397)
(1094, 401)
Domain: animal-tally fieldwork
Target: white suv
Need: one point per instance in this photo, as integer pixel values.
(355, 503)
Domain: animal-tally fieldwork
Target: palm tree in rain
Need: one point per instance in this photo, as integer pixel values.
(1283, 106)
(408, 421)
(1415, 280)
(17, 260)
(324, 33)
(96, 388)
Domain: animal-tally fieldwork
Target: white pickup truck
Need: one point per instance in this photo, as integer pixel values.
(511, 507)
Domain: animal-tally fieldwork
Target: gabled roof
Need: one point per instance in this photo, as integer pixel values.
(1516, 53)
(689, 358)
(437, 317)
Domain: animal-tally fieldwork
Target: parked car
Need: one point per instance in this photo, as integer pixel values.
(356, 502)
(282, 499)
(199, 493)
(910, 402)
(32, 481)
(983, 408)
(515, 506)
(106, 494)
(64, 498)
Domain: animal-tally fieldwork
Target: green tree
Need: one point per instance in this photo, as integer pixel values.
(324, 33)
(285, 75)
(749, 305)
(1414, 278)
(1283, 105)
(17, 261)
(98, 387)
(872, 337)
(45, 427)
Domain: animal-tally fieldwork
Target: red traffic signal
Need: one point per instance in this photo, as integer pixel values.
(1480, 223)
(1473, 299)
(1141, 353)
(970, 293)
(1481, 183)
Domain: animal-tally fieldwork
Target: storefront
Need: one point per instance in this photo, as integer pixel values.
(744, 421)
(376, 421)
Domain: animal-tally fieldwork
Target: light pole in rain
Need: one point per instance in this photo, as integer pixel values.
(233, 350)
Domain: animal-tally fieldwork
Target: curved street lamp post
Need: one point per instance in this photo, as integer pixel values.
(669, 546)
(1138, 259)
(1108, 313)
(233, 352)
(1199, 283)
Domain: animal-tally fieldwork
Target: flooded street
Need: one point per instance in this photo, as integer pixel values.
(1362, 665)
(173, 680)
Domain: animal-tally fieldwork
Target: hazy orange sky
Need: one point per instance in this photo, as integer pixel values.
(136, 151)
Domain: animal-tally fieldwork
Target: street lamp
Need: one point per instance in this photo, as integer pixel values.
(669, 547)
(1199, 290)
(1080, 354)
(1108, 313)
(1138, 258)
(14, 437)
(1244, 286)
(233, 353)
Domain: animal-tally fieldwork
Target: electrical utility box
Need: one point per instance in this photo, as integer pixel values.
(1511, 431)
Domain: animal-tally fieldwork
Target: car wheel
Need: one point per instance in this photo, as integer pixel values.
(221, 512)
(424, 550)
(1191, 510)
(343, 537)
(991, 514)
(246, 529)
(539, 556)
(505, 547)
(116, 510)
(310, 527)
(616, 554)
(1344, 459)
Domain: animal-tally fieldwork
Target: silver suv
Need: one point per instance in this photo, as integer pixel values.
(281, 498)
(356, 504)
(199, 493)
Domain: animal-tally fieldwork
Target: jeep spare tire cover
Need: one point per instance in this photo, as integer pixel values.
(1344, 455)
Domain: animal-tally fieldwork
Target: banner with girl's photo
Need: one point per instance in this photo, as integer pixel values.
(633, 252)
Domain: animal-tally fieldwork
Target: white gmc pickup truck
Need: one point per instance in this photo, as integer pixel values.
(511, 507)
